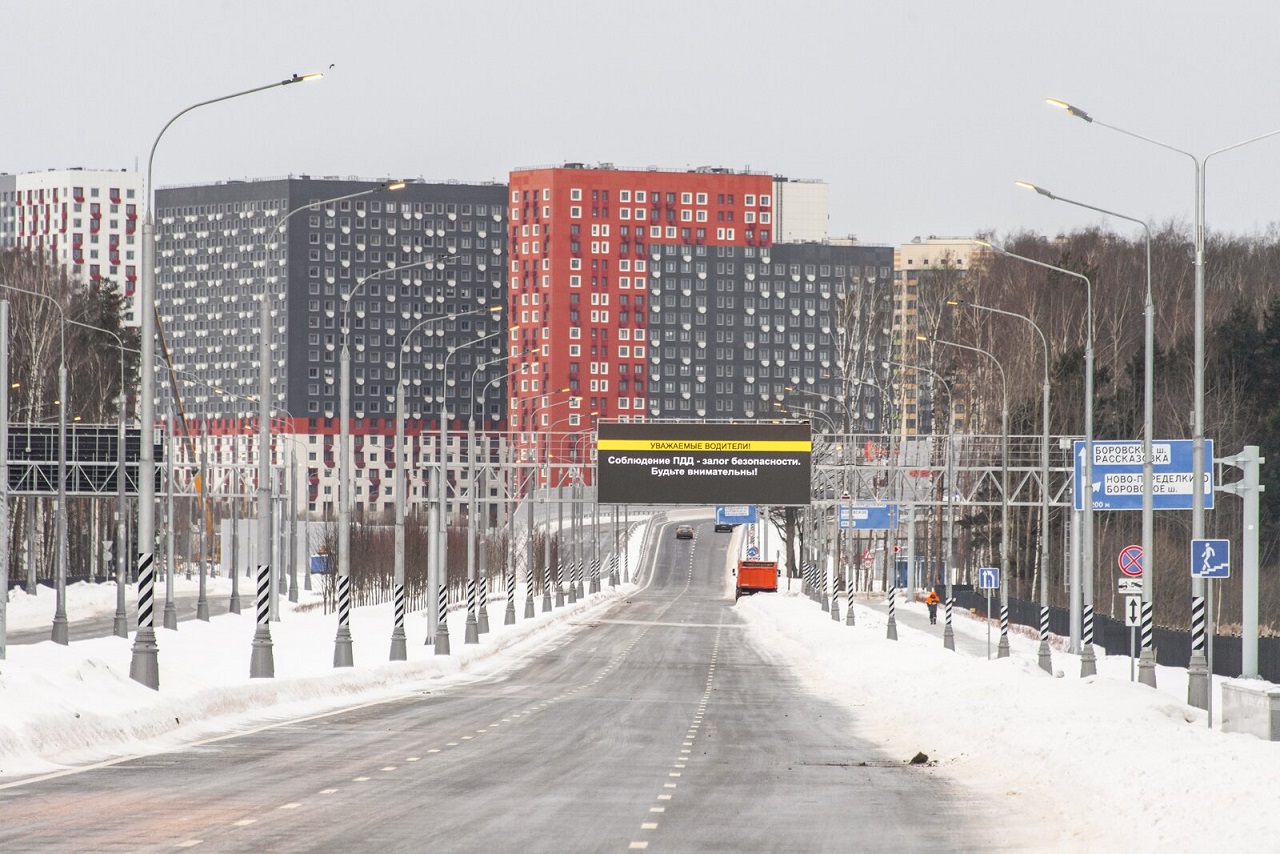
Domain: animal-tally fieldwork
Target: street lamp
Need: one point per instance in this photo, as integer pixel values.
(342, 653)
(261, 663)
(825, 398)
(1197, 669)
(144, 666)
(400, 477)
(472, 632)
(572, 401)
(1002, 649)
(473, 509)
(1088, 660)
(1147, 659)
(948, 633)
(1044, 653)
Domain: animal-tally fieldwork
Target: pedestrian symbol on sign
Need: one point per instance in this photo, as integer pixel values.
(1210, 558)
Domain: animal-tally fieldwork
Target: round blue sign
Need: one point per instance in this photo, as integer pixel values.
(753, 552)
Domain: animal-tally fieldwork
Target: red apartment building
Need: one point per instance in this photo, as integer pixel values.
(584, 242)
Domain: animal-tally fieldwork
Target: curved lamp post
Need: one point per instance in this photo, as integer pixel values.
(1147, 659)
(144, 665)
(1198, 669)
(342, 653)
(948, 633)
(1002, 650)
(1088, 660)
(1044, 655)
(399, 651)
(262, 661)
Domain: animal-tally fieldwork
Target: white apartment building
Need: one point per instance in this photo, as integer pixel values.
(89, 221)
(801, 210)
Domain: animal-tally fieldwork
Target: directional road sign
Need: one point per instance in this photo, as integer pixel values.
(867, 517)
(1210, 558)
(1131, 561)
(1117, 475)
(1132, 612)
(735, 514)
(988, 578)
(753, 552)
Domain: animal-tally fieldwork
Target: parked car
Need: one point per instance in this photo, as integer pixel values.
(684, 532)
(724, 528)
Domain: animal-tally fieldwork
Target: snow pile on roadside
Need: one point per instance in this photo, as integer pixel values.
(1112, 764)
(75, 704)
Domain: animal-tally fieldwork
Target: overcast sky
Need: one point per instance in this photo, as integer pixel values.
(920, 114)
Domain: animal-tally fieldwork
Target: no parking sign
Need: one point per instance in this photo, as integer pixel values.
(1130, 561)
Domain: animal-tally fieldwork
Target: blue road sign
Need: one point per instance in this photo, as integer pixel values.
(1117, 475)
(1210, 558)
(735, 514)
(988, 578)
(753, 552)
(867, 517)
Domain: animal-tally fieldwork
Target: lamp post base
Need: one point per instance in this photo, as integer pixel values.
(1002, 648)
(262, 664)
(342, 656)
(144, 667)
(948, 637)
(1044, 657)
(1147, 667)
(1088, 661)
(442, 639)
(169, 617)
(399, 646)
(1198, 681)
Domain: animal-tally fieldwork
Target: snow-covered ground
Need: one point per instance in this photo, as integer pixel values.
(1103, 763)
(1109, 764)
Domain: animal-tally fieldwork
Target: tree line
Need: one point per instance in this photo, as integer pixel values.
(1242, 383)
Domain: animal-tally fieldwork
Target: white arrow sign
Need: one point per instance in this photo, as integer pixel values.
(1132, 612)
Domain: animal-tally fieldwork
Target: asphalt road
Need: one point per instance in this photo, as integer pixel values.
(656, 726)
(102, 625)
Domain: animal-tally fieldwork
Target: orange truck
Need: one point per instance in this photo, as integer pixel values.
(757, 576)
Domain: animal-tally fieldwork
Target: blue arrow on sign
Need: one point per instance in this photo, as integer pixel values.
(1210, 558)
(988, 578)
(1117, 475)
